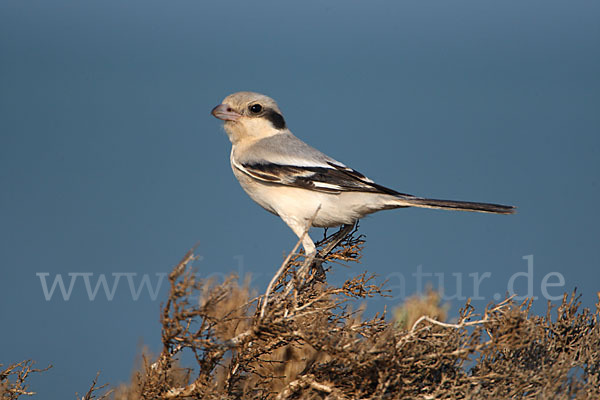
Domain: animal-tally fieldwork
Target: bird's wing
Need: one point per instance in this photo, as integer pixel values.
(286, 160)
(326, 177)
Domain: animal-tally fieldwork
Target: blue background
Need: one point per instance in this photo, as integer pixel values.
(111, 163)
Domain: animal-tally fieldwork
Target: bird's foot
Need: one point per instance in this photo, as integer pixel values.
(318, 272)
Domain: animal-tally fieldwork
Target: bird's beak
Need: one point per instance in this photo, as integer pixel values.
(225, 112)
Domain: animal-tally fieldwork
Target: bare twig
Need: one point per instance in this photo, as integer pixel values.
(17, 386)
(90, 393)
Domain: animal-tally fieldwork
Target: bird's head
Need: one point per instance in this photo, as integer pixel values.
(249, 115)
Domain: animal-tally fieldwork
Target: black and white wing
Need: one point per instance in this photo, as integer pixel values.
(327, 177)
(286, 160)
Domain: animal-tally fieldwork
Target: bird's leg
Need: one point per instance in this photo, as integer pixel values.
(300, 228)
(333, 242)
(311, 256)
(314, 260)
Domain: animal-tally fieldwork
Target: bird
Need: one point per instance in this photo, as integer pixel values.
(302, 185)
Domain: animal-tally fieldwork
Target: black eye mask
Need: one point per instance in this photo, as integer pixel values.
(275, 118)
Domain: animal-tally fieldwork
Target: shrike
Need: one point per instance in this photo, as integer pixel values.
(291, 179)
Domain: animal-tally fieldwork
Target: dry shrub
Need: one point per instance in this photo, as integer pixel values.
(308, 344)
(303, 341)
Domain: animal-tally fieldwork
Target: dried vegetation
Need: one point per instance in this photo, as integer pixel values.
(306, 342)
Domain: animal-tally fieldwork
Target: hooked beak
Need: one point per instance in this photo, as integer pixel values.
(225, 112)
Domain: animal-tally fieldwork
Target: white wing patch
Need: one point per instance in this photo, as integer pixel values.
(329, 186)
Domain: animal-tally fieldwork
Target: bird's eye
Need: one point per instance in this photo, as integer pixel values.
(255, 108)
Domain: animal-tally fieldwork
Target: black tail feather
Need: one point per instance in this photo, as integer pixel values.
(458, 205)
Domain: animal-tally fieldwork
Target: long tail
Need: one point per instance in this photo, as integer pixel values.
(409, 201)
